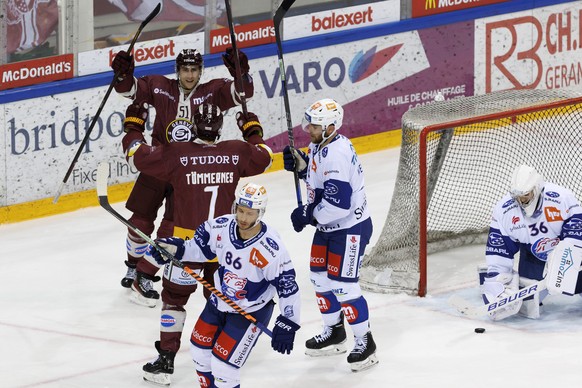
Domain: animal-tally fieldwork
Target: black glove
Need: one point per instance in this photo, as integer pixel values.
(303, 215)
(295, 160)
(174, 246)
(229, 61)
(123, 65)
(249, 125)
(136, 115)
(284, 335)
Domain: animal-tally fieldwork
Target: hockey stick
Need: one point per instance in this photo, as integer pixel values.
(277, 19)
(470, 310)
(105, 98)
(102, 175)
(243, 100)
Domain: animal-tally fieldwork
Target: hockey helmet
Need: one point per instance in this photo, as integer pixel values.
(189, 57)
(526, 189)
(252, 196)
(324, 112)
(208, 121)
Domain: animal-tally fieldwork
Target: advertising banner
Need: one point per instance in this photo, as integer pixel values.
(433, 7)
(151, 51)
(341, 19)
(247, 35)
(534, 49)
(25, 73)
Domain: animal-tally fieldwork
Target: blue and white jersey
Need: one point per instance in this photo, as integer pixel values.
(510, 230)
(335, 181)
(250, 272)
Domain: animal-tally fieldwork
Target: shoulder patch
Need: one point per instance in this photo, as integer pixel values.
(221, 220)
(552, 194)
(272, 243)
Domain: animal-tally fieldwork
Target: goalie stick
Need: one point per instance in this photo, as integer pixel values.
(277, 19)
(470, 310)
(152, 15)
(102, 175)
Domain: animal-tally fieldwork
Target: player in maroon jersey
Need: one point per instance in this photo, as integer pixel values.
(204, 175)
(173, 99)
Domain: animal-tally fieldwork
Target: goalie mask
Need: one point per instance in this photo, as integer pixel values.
(252, 196)
(526, 189)
(208, 121)
(324, 112)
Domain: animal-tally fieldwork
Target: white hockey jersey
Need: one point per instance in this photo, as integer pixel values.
(335, 180)
(250, 272)
(510, 230)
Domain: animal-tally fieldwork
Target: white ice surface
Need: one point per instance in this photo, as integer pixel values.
(66, 322)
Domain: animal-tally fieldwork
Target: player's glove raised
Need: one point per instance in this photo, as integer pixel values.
(136, 115)
(284, 335)
(302, 216)
(229, 61)
(295, 160)
(123, 66)
(173, 245)
(249, 125)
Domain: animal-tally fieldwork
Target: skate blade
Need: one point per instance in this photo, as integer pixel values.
(366, 364)
(157, 378)
(137, 298)
(330, 350)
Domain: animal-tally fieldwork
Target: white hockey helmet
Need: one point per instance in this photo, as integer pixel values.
(324, 112)
(526, 189)
(252, 196)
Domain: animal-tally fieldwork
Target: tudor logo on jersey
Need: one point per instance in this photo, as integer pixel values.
(179, 130)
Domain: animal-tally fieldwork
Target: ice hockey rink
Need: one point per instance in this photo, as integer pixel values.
(66, 321)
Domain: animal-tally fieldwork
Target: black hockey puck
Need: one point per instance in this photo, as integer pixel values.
(479, 330)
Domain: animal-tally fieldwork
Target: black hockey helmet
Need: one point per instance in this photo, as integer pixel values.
(189, 57)
(208, 122)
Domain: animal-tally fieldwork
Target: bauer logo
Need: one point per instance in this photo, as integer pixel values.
(167, 320)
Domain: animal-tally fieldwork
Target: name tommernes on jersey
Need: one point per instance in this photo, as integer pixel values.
(206, 178)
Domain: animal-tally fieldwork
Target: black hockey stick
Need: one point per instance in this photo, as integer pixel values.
(102, 175)
(243, 100)
(277, 19)
(98, 113)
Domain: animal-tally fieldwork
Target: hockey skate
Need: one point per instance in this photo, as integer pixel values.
(364, 354)
(330, 342)
(129, 276)
(143, 292)
(159, 371)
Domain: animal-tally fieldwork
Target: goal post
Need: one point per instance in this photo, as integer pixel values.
(456, 161)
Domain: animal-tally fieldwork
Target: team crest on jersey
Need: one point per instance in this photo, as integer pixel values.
(542, 247)
(235, 159)
(179, 130)
(233, 285)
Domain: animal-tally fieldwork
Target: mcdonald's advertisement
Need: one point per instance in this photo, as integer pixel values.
(431, 7)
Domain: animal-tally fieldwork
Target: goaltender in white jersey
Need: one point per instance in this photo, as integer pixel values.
(540, 220)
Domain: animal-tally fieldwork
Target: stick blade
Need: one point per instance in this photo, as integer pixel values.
(281, 11)
(152, 14)
(102, 177)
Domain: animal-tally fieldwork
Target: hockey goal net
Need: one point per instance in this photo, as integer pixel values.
(456, 161)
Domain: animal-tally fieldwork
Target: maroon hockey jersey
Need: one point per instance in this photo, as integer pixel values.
(165, 96)
(204, 177)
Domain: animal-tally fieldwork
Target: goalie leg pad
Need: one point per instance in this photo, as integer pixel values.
(562, 267)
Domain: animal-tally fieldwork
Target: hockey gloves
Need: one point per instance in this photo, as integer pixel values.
(136, 115)
(284, 335)
(303, 215)
(229, 61)
(123, 66)
(295, 160)
(173, 245)
(249, 125)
